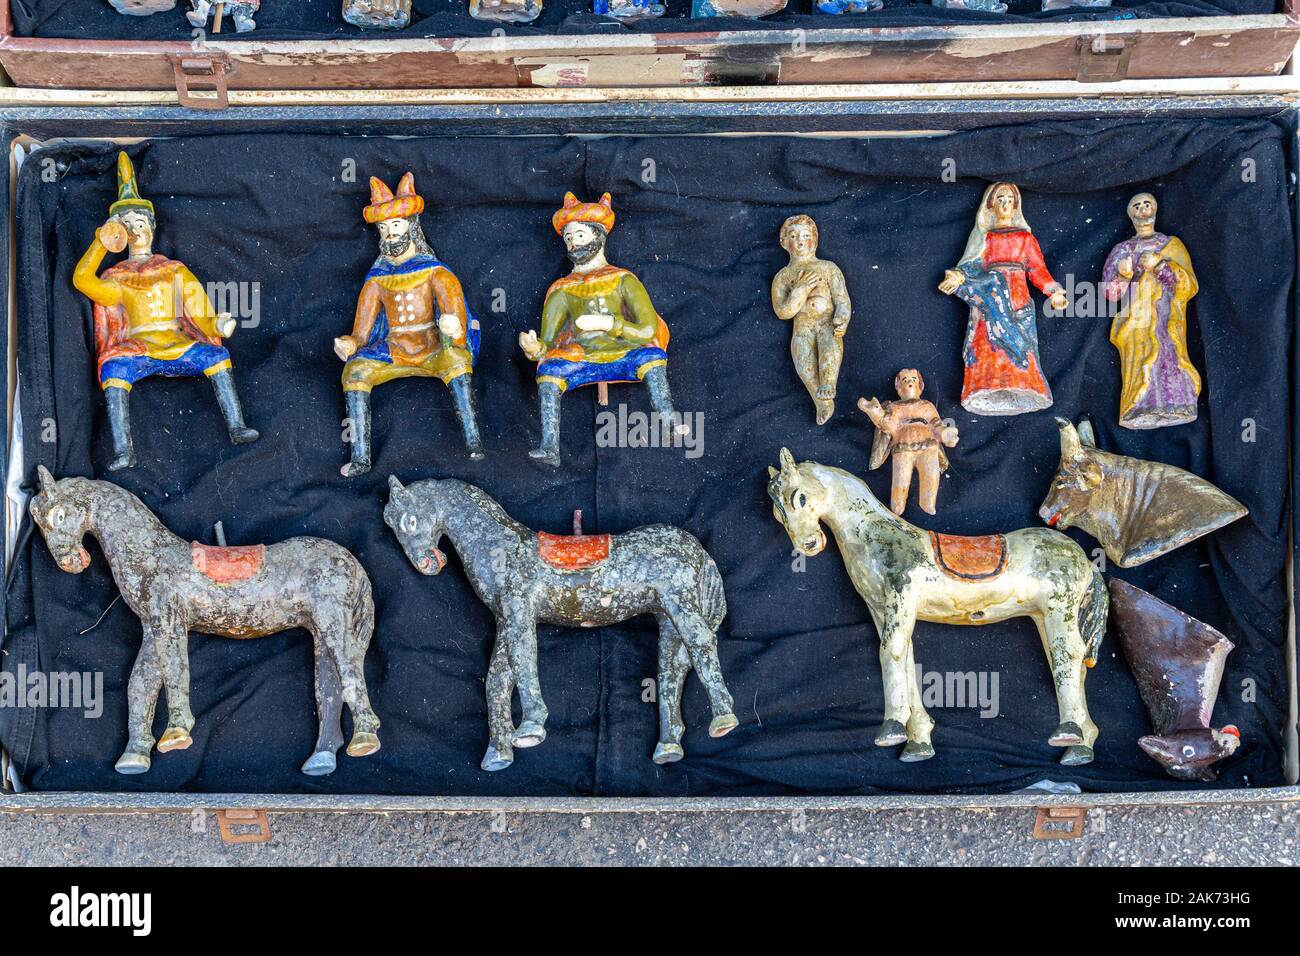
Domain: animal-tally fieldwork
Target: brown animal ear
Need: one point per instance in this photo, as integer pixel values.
(787, 462)
(1092, 473)
(46, 480)
(772, 472)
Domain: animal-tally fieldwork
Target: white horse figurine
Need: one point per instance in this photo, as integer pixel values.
(906, 574)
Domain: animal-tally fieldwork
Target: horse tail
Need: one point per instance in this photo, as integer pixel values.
(1092, 617)
(361, 610)
(713, 600)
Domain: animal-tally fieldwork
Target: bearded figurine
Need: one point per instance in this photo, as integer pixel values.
(152, 317)
(598, 325)
(411, 320)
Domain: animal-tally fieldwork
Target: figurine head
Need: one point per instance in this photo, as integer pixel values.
(1077, 478)
(415, 515)
(583, 242)
(799, 237)
(1142, 213)
(584, 227)
(1003, 201)
(63, 517)
(798, 500)
(397, 216)
(139, 226)
(909, 384)
(1189, 754)
(132, 210)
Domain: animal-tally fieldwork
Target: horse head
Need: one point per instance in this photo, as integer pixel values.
(415, 515)
(64, 519)
(1077, 479)
(798, 501)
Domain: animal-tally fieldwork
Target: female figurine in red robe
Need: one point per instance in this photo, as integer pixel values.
(1004, 375)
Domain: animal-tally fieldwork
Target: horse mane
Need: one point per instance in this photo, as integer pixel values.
(477, 497)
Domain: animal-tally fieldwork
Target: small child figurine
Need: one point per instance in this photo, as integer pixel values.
(241, 11)
(811, 293)
(912, 431)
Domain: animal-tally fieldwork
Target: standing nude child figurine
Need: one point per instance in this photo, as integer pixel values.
(911, 430)
(812, 293)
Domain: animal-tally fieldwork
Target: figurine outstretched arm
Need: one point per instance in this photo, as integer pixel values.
(85, 277)
(363, 322)
(198, 307)
(639, 321)
(453, 315)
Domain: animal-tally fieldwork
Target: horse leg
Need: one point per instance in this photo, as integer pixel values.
(329, 713)
(349, 657)
(518, 627)
(920, 724)
(1064, 648)
(141, 699)
(702, 650)
(895, 627)
(501, 725)
(173, 642)
(674, 665)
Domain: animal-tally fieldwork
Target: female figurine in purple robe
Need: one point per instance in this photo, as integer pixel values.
(1154, 271)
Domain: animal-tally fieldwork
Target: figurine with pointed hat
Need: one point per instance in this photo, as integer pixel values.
(152, 316)
(598, 325)
(411, 320)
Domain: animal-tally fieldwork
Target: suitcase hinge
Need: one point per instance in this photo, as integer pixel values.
(1103, 58)
(203, 73)
(229, 819)
(1059, 823)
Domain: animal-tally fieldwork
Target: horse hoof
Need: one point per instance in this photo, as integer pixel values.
(721, 726)
(916, 751)
(1068, 734)
(320, 763)
(174, 738)
(132, 763)
(891, 733)
(1076, 756)
(363, 745)
(529, 734)
(668, 753)
(494, 760)
(547, 455)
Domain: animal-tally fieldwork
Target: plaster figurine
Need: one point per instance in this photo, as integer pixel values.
(905, 575)
(628, 10)
(142, 8)
(1153, 273)
(849, 6)
(1137, 509)
(911, 430)
(810, 293)
(983, 6)
(1004, 374)
(152, 317)
(411, 320)
(584, 580)
(1178, 664)
(177, 586)
(377, 14)
(241, 11)
(1049, 5)
(506, 11)
(736, 8)
(598, 325)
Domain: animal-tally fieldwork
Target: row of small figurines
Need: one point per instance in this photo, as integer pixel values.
(396, 14)
(902, 572)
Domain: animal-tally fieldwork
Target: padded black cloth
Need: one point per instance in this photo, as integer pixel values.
(314, 19)
(697, 220)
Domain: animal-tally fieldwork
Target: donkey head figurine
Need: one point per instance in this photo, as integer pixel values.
(798, 501)
(416, 518)
(64, 519)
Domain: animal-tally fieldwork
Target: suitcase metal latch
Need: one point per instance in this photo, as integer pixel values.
(228, 819)
(201, 73)
(1059, 823)
(1103, 58)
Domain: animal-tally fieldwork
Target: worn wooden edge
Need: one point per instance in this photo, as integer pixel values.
(1287, 87)
(320, 803)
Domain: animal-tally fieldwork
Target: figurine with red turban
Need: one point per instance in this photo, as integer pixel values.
(411, 320)
(598, 325)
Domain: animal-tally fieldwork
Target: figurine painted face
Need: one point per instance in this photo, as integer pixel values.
(412, 319)
(911, 431)
(177, 586)
(907, 575)
(142, 327)
(598, 325)
(812, 295)
(1002, 259)
(1152, 273)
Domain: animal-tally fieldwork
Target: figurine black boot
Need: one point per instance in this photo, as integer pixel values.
(462, 394)
(548, 400)
(661, 399)
(358, 405)
(224, 384)
(119, 422)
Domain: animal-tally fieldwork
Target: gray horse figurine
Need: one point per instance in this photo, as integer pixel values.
(576, 581)
(905, 574)
(175, 587)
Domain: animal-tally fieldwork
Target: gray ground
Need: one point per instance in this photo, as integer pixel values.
(1163, 835)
